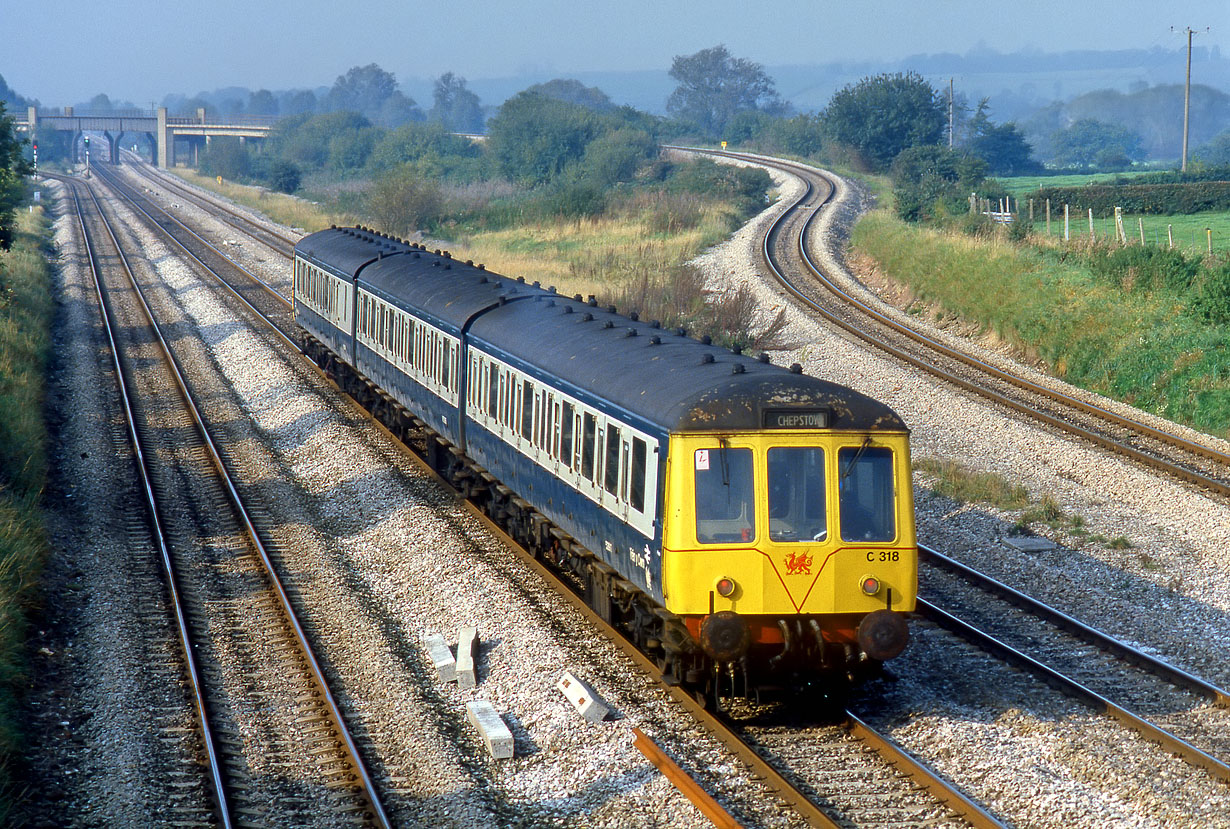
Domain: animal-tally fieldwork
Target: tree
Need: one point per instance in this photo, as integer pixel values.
(1216, 152)
(1081, 144)
(262, 102)
(412, 142)
(225, 157)
(372, 92)
(882, 115)
(616, 156)
(301, 102)
(714, 87)
(1002, 147)
(574, 92)
(283, 176)
(534, 137)
(931, 176)
(455, 106)
(12, 167)
(403, 202)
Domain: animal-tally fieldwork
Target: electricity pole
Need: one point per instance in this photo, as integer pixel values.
(1187, 95)
(950, 125)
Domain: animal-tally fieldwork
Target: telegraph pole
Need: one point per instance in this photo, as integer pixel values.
(950, 125)
(1187, 95)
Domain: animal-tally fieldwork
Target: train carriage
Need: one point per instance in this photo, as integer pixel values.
(730, 514)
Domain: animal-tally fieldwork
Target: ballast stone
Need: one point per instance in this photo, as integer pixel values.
(467, 641)
(577, 691)
(441, 657)
(482, 715)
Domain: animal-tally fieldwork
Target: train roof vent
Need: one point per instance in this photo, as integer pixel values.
(631, 332)
(608, 324)
(738, 368)
(706, 359)
(763, 356)
(795, 368)
(655, 340)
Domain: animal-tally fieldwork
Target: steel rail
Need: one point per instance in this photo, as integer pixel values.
(1076, 690)
(943, 790)
(212, 750)
(807, 174)
(172, 183)
(368, 785)
(1152, 664)
(133, 201)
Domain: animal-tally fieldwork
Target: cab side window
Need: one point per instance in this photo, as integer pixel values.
(725, 503)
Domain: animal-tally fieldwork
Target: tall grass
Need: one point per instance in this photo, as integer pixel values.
(287, 210)
(25, 324)
(1144, 348)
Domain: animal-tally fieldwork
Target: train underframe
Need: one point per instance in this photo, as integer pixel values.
(809, 658)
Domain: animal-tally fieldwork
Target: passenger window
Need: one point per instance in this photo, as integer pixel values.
(865, 485)
(527, 409)
(639, 456)
(588, 432)
(725, 506)
(447, 362)
(796, 494)
(611, 461)
(565, 440)
(493, 387)
(623, 464)
(555, 430)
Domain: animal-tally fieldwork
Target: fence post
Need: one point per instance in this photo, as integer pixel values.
(1067, 236)
(1141, 221)
(1170, 236)
(1120, 234)
(1092, 235)
(1031, 211)
(1209, 232)
(1048, 217)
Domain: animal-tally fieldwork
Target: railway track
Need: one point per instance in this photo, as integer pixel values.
(901, 790)
(789, 255)
(274, 739)
(805, 792)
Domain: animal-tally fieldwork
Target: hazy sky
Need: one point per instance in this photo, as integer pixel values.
(66, 51)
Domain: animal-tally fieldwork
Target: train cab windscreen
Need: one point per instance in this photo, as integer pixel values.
(725, 489)
(865, 484)
(796, 494)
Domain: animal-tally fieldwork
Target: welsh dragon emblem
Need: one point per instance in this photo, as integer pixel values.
(798, 564)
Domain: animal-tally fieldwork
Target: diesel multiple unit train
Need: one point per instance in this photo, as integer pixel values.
(746, 524)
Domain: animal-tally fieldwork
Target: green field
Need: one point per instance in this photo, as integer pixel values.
(1189, 233)
(1024, 185)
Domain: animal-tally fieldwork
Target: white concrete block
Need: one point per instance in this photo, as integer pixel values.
(491, 728)
(441, 657)
(577, 691)
(467, 642)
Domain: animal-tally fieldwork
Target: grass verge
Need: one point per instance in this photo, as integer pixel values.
(26, 310)
(284, 209)
(1143, 348)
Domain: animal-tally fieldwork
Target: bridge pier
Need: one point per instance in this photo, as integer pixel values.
(164, 144)
(113, 145)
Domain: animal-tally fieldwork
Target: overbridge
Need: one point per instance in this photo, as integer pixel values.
(162, 130)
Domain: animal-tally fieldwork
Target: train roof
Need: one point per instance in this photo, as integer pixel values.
(663, 377)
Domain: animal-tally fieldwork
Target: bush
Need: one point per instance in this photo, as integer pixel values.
(746, 186)
(283, 176)
(1150, 199)
(1212, 300)
(402, 202)
(1144, 268)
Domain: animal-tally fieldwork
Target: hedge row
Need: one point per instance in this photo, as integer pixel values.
(1149, 199)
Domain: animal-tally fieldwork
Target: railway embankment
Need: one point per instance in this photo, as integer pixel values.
(26, 312)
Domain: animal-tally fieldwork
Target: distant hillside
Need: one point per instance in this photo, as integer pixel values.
(1018, 83)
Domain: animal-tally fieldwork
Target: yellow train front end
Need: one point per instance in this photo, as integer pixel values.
(791, 551)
